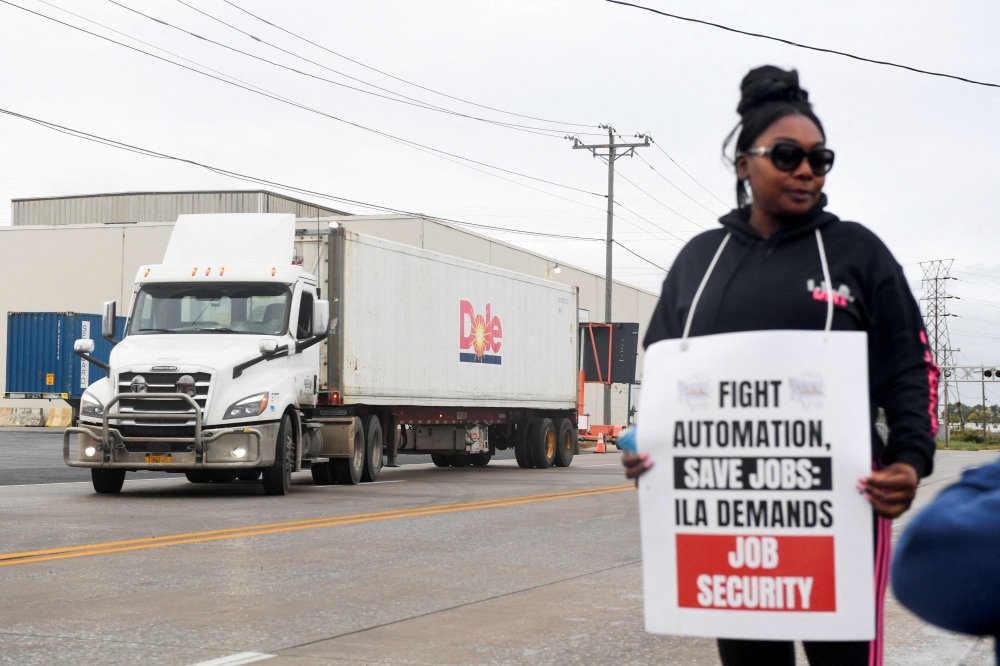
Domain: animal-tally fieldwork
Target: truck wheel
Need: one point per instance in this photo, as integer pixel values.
(278, 477)
(522, 452)
(481, 459)
(565, 442)
(321, 473)
(460, 460)
(347, 471)
(543, 444)
(373, 448)
(198, 476)
(440, 460)
(249, 475)
(221, 476)
(107, 481)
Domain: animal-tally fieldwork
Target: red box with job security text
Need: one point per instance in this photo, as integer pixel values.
(755, 572)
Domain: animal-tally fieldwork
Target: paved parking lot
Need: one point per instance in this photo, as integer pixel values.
(428, 566)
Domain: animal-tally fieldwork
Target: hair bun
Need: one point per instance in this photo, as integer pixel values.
(770, 84)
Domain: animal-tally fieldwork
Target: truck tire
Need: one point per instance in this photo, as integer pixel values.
(565, 442)
(347, 471)
(249, 475)
(522, 452)
(278, 477)
(481, 459)
(543, 444)
(373, 448)
(107, 481)
(321, 473)
(460, 460)
(440, 460)
(198, 476)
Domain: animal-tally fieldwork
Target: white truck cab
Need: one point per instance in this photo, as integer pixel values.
(219, 363)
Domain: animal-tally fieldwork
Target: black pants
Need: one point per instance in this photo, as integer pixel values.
(782, 653)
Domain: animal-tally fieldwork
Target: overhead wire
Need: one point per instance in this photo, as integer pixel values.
(120, 145)
(263, 92)
(397, 78)
(409, 101)
(808, 47)
(657, 146)
(671, 184)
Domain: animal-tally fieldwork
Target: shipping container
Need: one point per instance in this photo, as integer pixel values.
(415, 327)
(40, 358)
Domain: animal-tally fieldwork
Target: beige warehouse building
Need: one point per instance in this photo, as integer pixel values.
(70, 254)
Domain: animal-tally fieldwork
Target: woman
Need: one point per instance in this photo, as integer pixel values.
(769, 276)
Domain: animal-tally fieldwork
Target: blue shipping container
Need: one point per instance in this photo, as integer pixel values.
(41, 362)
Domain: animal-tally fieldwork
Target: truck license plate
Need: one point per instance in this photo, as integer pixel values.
(153, 458)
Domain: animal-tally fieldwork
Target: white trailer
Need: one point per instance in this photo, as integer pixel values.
(235, 365)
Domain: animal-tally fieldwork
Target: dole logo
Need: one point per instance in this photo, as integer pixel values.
(479, 334)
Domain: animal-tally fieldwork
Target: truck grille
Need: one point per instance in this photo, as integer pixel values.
(162, 382)
(158, 447)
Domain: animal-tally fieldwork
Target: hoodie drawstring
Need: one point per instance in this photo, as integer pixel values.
(715, 260)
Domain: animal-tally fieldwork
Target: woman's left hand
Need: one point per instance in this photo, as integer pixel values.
(890, 490)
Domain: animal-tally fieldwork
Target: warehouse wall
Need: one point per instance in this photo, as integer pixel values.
(75, 268)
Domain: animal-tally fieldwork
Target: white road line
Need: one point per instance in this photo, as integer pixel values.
(236, 659)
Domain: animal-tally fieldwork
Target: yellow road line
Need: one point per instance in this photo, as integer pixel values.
(291, 526)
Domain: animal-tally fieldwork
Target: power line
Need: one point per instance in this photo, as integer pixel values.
(292, 188)
(806, 46)
(409, 101)
(667, 181)
(261, 91)
(641, 257)
(397, 78)
(657, 146)
(626, 179)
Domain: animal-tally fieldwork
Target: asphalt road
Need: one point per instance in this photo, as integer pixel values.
(429, 566)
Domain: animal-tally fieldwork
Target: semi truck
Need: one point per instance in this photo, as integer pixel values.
(239, 364)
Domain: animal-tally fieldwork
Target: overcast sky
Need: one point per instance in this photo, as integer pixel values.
(915, 154)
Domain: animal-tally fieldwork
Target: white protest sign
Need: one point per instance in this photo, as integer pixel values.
(751, 523)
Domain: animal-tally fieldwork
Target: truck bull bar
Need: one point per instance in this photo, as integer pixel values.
(109, 440)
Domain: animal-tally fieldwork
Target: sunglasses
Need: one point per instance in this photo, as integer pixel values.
(788, 157)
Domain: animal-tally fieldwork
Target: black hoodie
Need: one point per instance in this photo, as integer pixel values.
(778, 283)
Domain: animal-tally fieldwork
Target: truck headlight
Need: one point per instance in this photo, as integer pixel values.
(91, 406)
(252, 406)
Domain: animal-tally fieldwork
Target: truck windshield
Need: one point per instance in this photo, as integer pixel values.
(256, 309)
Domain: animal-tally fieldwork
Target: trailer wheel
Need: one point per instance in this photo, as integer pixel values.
(107, 481)
(543, 444)
(481, 459)
(278, 477)
(373, 448)
(347, 471)
(522, 452)
(321, 473)
(565, 442)
(440, 460)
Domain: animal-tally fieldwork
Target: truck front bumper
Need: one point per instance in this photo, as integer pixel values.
(211, 448)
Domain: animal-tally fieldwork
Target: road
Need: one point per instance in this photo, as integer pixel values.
(429, 566)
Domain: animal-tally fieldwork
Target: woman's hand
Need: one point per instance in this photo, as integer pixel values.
(636, 464)
(890, 490)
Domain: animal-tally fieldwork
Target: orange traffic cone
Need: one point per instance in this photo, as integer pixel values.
(600, 443)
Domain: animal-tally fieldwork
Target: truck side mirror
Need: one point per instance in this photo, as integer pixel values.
(321, 318)
(268, 346)
(83, 346)
(108, 322)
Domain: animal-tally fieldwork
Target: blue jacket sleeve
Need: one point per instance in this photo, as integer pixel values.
(947, 563)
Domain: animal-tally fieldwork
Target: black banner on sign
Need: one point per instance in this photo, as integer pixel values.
(748, 473)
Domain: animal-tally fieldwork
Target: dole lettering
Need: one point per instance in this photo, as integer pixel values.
(479, 334)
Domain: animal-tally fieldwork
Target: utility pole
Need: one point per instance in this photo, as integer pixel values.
(936, 275)
(628, 149)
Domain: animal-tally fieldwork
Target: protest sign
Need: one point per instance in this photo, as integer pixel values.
(751, 523)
